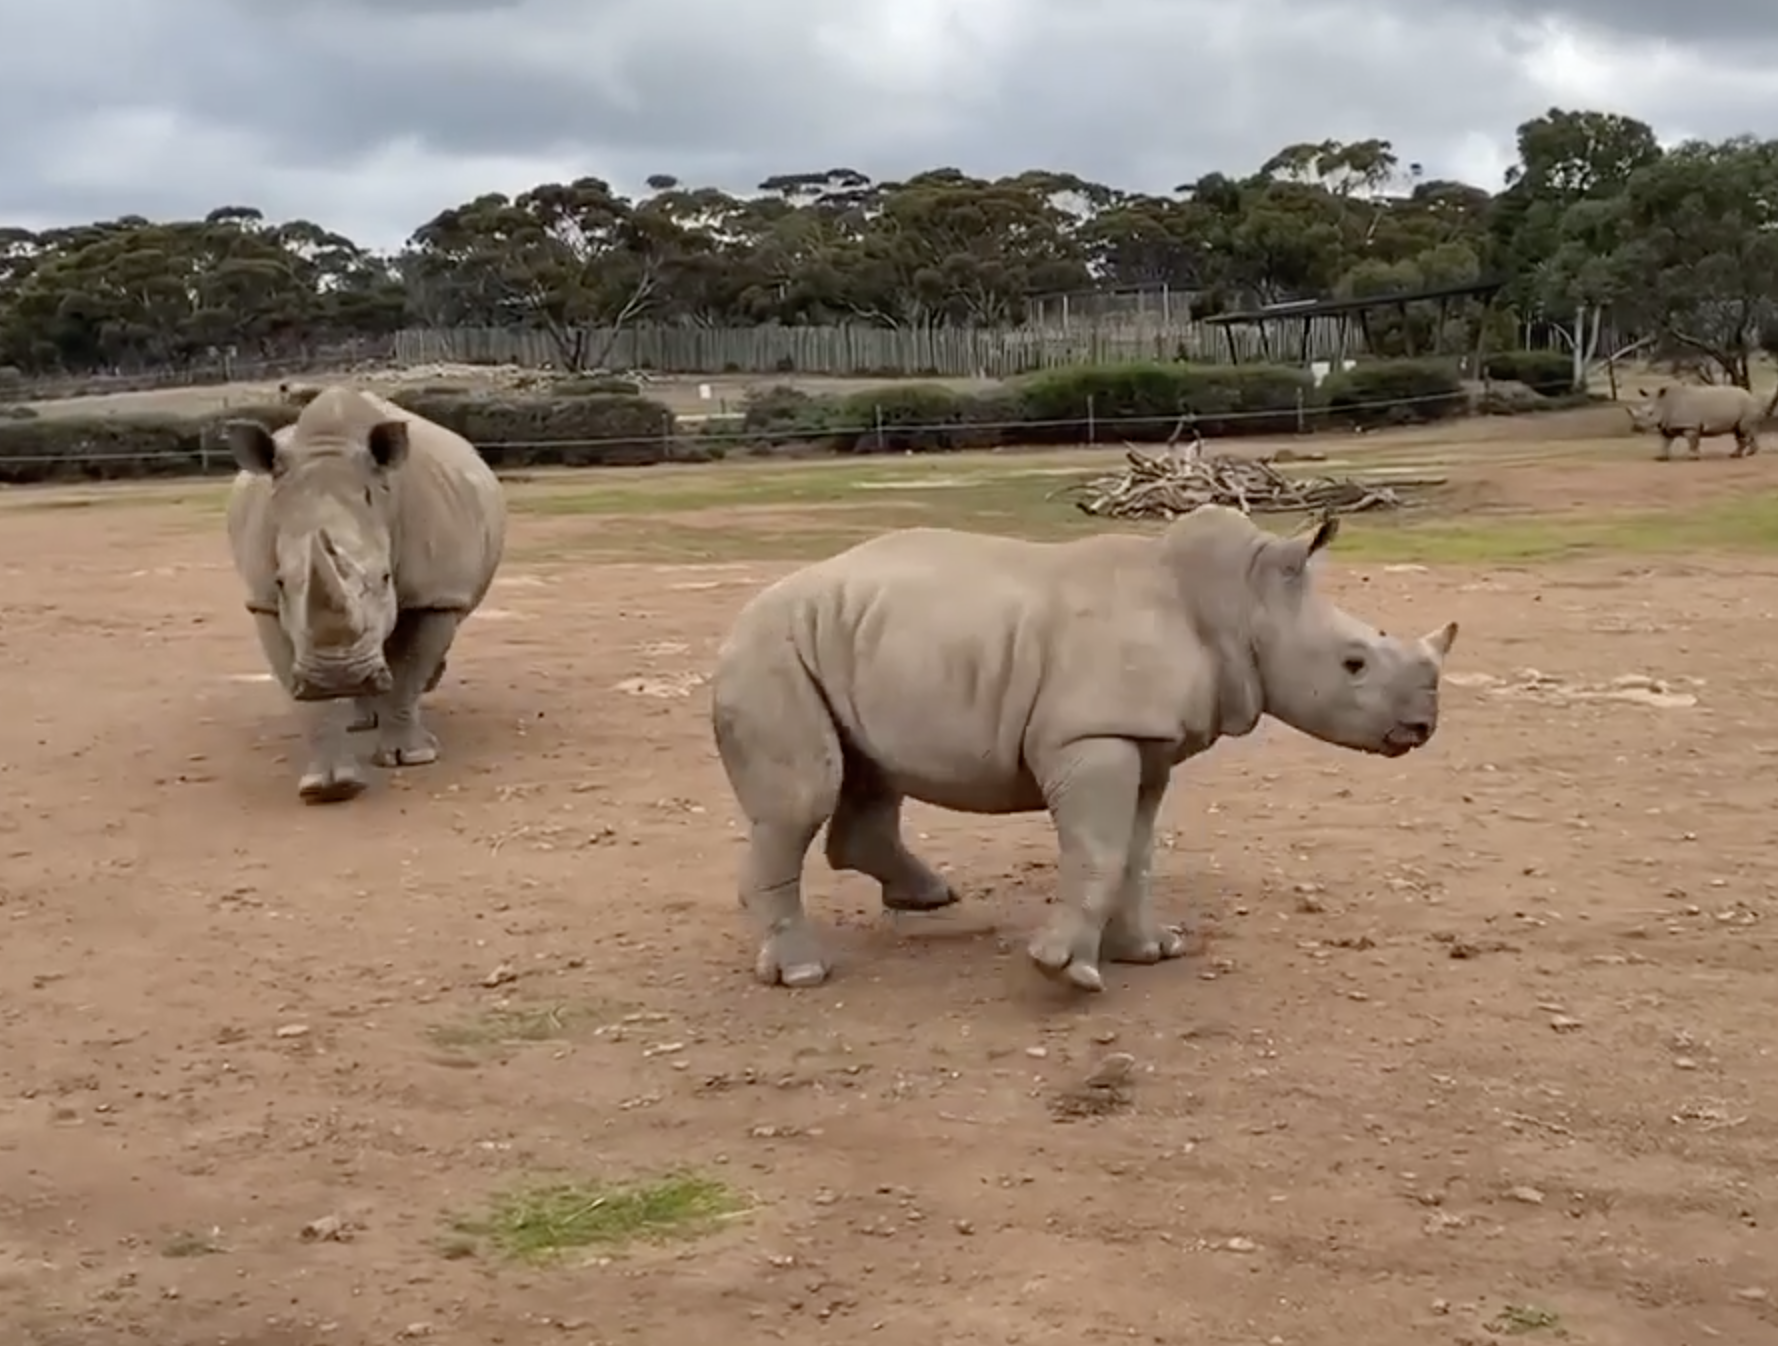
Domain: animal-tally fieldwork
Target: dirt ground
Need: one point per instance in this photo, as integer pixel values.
(1471, 1045)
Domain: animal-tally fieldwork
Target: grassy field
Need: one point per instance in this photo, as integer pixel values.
(761, 509)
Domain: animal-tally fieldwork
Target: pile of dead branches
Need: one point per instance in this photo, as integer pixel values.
(1180, 477)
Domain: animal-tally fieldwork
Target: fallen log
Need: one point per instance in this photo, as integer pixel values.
(1180, 478)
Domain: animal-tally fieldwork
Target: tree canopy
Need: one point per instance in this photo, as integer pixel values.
(1596, 222)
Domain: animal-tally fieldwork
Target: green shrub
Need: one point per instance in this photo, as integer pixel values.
(903, 418)
(1395, 392)
(989, 419)
(605, 430)
(782, 415)
(1548, 372)
(588, 385)
(95, 448)
(1143, 402)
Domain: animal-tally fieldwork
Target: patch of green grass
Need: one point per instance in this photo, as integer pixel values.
(185, 1243)
(513, 1024)
(1746, 523)
(1519, 1319)
(541, 1222)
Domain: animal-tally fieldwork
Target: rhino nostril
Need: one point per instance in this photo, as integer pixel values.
(1418, 730)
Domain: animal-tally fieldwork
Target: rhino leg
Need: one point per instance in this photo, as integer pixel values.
(1132, 935)
(1092, 789)
(332, 774)
(365, 717)
(864, 836)
(1692, 437)
(781, 753)
(1746, 443)
(416, 651)
(1665, 452)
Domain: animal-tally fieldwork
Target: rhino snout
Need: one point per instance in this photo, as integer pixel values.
(327, 684)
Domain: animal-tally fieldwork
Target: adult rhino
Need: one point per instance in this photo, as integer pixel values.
(1694, 412)
(992, 675)
(365, 534)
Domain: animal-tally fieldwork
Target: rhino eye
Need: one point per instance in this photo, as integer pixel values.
(1353, 664)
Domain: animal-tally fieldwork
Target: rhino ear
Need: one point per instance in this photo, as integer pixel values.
(1441, 640)
(252, 445)
(1296, 551)
(388, 444)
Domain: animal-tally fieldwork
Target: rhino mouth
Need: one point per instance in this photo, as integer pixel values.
(1404, 738)
(316, 685)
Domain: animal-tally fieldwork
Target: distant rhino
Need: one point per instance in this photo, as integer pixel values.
(365, 534)
(1693, 412)
(992, 675)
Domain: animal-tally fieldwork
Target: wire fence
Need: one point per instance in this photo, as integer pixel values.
(1095, 430)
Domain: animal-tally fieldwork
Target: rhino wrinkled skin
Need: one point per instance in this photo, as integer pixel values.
(1693, 412)
(365, 535)
(993, 675)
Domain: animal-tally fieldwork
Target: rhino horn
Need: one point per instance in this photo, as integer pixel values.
(329, 605)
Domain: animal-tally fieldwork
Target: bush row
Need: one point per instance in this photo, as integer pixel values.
(599, 430)
(1548, 372)
(1101, 404)
(599, 423)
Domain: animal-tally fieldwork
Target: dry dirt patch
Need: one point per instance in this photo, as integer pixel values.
(1470, 1045)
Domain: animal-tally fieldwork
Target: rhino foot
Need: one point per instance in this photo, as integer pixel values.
(364, 716)
(410, 744)
(1153, 944)
(931, 896)
(418, 749)
(331, 785)
(791, 957)
(1067, 950)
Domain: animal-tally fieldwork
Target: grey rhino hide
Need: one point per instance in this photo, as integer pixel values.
(1694, 412)
(994, 675)
(364, 535)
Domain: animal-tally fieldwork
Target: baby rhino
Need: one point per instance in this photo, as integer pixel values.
(992, 675)
(365, 535)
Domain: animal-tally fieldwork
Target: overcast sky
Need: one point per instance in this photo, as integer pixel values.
(369, 116)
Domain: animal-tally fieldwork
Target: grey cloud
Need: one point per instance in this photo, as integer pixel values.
(279, 101)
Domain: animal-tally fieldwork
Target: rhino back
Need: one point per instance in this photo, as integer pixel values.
(949, 658)
(450, 517)
(1715, 409)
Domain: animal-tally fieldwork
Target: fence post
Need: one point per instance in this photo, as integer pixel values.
(879, 417)
(1092, 423)
(1301, 427)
